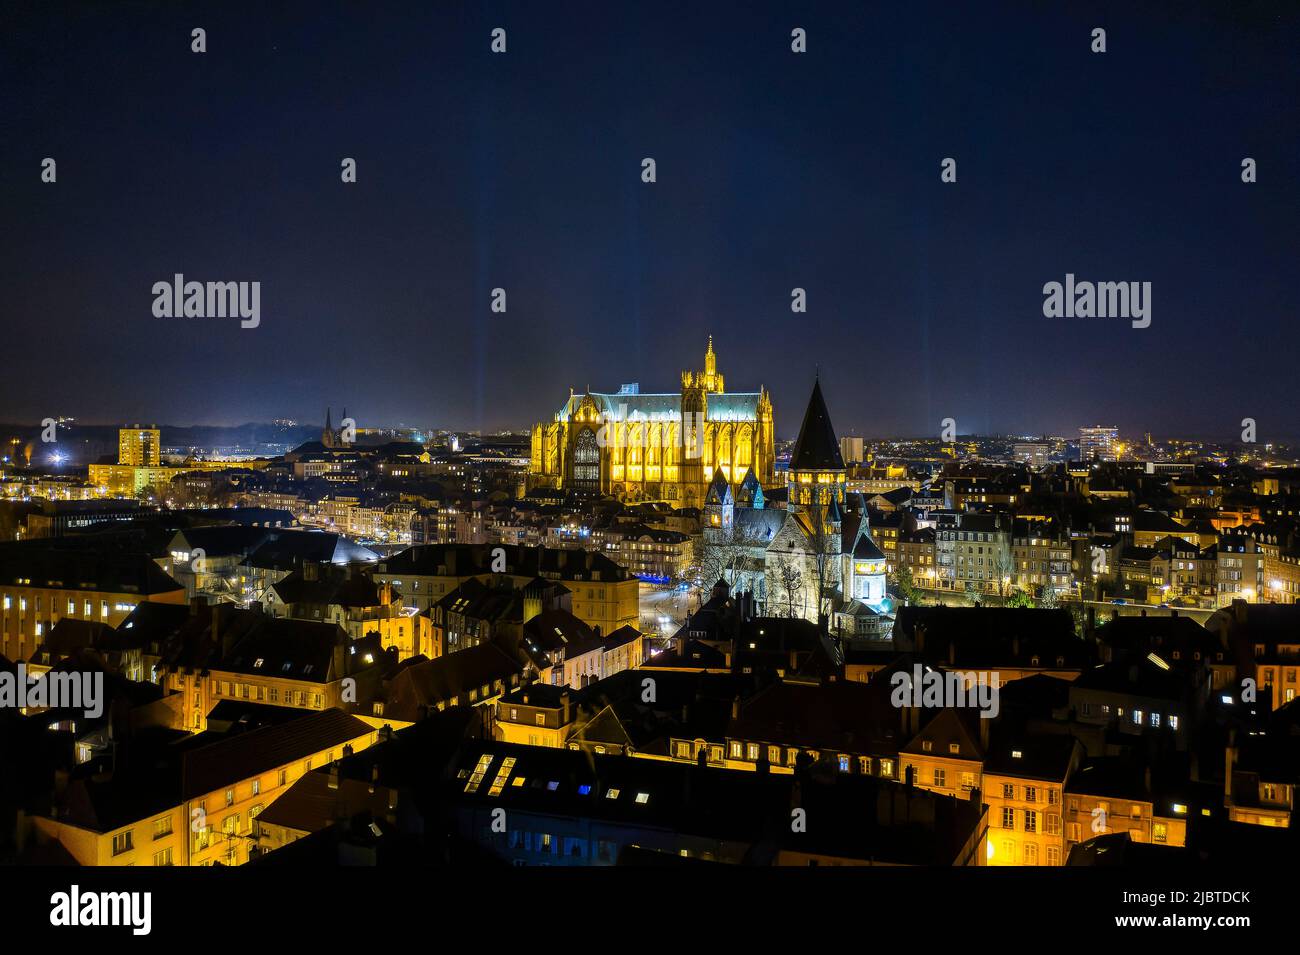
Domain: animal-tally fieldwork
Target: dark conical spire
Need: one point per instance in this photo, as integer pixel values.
(817, 448)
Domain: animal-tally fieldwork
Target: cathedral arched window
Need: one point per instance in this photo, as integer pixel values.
(586, 461)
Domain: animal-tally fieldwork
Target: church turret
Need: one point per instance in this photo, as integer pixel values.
(817, 473)
(712, 380)
(327, 435)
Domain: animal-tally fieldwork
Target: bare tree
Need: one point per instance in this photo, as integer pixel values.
(1004, 566)
(725, 553)
(790, 581)
(825, 542)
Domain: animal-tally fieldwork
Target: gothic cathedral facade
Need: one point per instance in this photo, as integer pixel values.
(657, 447)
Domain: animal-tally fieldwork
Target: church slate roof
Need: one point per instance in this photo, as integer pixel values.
(729, 406)
(817, 448)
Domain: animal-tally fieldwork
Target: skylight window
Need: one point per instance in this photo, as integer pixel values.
(499, 783)
(642, 798)
(611, 794)
(476, 778)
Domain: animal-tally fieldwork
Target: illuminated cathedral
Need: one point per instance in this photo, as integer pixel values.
(658, 447)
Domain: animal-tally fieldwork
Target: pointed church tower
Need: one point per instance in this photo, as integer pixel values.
(817, 474)
(327, 435)
(712, 380)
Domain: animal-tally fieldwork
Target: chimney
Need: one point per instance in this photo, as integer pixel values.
(334, 776)
(374, 778)
(214, 616)
(564, 707)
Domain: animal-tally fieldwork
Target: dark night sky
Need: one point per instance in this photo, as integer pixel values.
(775, 170)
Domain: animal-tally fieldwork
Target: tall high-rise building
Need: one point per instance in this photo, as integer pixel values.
(141, 447)
(1098, 443)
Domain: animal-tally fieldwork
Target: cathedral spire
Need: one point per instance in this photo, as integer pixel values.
(712, 380)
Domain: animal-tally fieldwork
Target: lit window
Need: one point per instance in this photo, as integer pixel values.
(480, 770)
(611, 794)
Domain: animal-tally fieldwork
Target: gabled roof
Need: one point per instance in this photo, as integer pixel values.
(83, 564)
(719, 491)
(750, 493)
(834, 715)
(605, 728)
(1031, 757)
(330, 585)
(429, 682)
(287, 550)
(558, 630)
(213, 767)
(949, 727)
(817, 448)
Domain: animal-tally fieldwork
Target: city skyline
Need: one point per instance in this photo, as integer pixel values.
(464, 439)
(775, 172)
